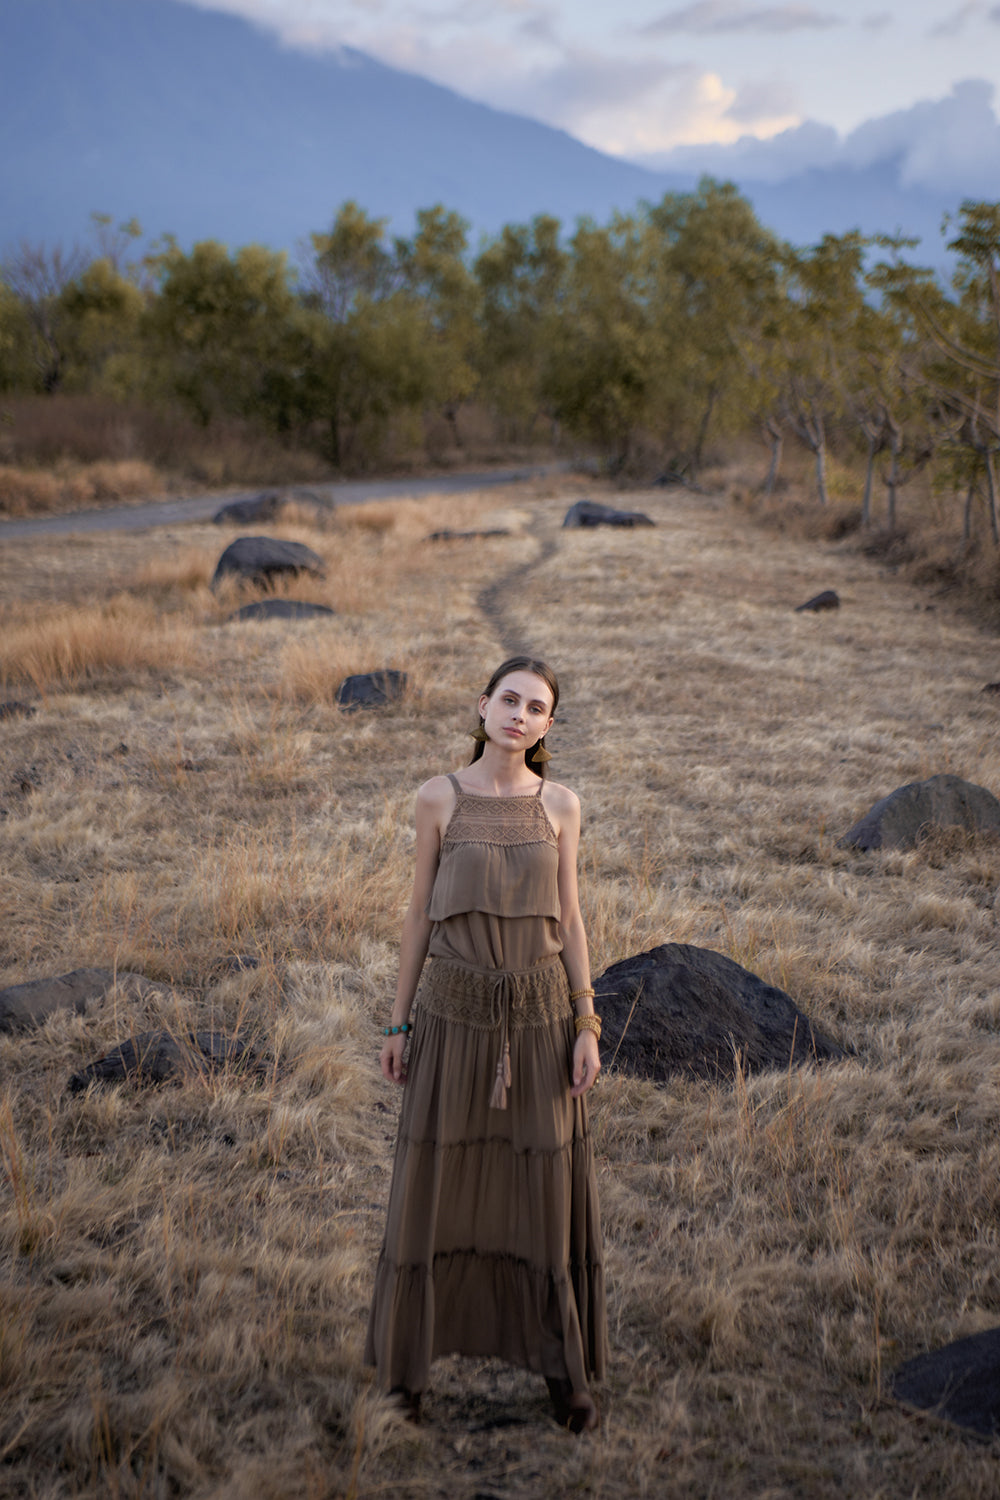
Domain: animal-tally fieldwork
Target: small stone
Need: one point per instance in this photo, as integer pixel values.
(371, 689)
(465, 536)
(261, 560)
(23, 1006)
(255, 509)
(156, 1056)
(280, 609)
(828, 599)
(586, 513)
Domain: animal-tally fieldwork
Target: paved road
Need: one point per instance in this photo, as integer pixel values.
(203, 507)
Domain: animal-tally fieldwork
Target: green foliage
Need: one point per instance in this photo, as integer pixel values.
(600, 369)
(521, 276)
(667, 330)
(220, 329)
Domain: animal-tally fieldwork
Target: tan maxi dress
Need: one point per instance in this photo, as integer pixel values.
(493, 1238)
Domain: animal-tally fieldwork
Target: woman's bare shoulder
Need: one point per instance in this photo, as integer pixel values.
(559, 799)
(436, 793)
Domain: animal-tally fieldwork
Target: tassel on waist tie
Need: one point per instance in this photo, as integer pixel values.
(496, 1000)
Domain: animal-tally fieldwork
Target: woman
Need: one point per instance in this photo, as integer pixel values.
(493, 1240)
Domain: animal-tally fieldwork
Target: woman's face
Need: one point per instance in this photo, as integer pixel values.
(519, 712)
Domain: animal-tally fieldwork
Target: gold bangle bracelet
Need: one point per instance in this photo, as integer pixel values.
(587, 991)
(588, 1023)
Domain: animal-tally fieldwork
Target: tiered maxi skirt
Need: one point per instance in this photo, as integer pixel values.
(493, 1239)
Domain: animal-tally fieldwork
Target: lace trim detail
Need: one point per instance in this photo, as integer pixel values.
(483, 998)
(499, 820)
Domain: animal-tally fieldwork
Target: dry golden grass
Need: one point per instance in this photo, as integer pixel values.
(186, 1269)
(72, 486)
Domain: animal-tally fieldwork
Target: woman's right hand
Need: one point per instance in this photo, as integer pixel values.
(391, 1059)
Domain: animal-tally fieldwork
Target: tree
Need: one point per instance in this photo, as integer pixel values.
(600, 366)
(219, 330)
(820, 333)
(716, 274)
(101, 312)
(522, 285)
(37, 278)
(437, 279)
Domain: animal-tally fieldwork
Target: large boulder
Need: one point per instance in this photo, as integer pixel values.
(26, 1005)
(253, 510)
(262, 560)
(371, 689)
(901, 819)
(960, 1382)
(156, 1056)
(592, 513)
(684, 1010)
(280, 609)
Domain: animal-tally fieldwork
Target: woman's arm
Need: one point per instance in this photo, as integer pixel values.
(586, 1056)
(432, 806)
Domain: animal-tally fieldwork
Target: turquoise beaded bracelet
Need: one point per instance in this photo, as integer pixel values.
(403, 1030)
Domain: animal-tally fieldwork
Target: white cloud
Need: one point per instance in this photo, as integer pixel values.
(951, 143)
(752, 159)
(708, 17)
(945, 143)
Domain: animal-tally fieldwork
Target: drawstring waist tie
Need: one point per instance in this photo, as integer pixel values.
(496, 1000)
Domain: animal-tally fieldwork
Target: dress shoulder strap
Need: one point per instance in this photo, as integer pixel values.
(541, 783)
(455, 783)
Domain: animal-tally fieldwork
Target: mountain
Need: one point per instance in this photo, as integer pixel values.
(200, 124)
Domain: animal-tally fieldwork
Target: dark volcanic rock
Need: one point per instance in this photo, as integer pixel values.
(30, 1004)
(591, 513)
(15, 709)
(465, 536)
(254, 510)
(681, 1009)
(157, 1055)
(261, 560)
(899, 820)
(280, 609)
(828, 599)
(992, 687)
(371, 689)
(960, 1382)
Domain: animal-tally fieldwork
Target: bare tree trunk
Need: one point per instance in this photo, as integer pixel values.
(703, 428)
(820, 470)
(776, 442)
(866, 499)
(970, 495)
(451, 417)
(991, 481)
(809, 426)
(892, 479)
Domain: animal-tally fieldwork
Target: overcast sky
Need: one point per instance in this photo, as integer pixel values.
(640, 77)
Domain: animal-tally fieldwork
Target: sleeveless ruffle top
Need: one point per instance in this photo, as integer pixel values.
(495, 899)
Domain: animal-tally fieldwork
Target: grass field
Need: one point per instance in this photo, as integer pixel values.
(186, 1270)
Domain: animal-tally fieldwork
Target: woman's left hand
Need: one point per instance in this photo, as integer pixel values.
(586, 1063)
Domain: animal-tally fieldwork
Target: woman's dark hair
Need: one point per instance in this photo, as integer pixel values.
(539, 669)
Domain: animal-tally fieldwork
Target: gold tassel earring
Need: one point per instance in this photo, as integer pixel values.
(540, 755)
(479, 735)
